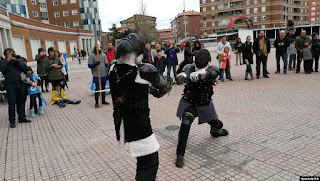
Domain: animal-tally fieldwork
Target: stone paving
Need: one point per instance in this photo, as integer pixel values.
(274, 130)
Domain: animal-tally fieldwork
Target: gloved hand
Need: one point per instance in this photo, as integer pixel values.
(181, 78)
(96, 64)
(195, 76)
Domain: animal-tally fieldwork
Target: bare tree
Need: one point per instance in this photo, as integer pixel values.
(143, 24)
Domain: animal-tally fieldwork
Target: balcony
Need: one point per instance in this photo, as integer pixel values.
(3, 11)
(230, 13)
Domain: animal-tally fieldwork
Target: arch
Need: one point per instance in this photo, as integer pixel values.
(244, 18)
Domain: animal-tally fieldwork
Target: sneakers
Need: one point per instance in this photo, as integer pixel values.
(180, 161)
(258, 77)
(62, 105)
(290, 69)
(266, 76)
(96, 105)
(24, 120)
(12, 125)
(277, 72)
(285, 72)
(230, 79)
(40, 111)
(32, 113)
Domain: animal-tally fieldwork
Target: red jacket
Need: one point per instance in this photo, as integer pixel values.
(224, 58)
(110, 54)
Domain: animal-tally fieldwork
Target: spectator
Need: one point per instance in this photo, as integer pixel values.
(78, 54)
(291, 36)
(63, 62)
(147, 55)
(42, 73)
(33, 83)
(172, 58)
(290, 25)
(83, 54)
(53, 66)
(225, 63)
(111, 52)
(238, 50)
(281, 44)
(188, 57)
(248, 56)
(308, 57)
(11, 68)
(93, 64)
(219, 49)
(197, 46)
(154, 52)
(66, 66)
(292, 53)
(315, 43)
(59, 97)
(159, 62)
(261, 47)
(299, 46)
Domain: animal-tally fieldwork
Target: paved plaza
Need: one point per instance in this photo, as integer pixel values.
(274, 127)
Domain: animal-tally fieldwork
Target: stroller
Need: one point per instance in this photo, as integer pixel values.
(3, 93)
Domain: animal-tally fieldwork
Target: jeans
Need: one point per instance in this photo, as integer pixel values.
(285, 61)
(262, 59)
(172, 64)
(15, 95)
(292, 61)
(33, 102)
(64, 101)
(228, 73)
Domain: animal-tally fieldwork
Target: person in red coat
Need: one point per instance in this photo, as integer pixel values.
(110, 53)
(225, 61)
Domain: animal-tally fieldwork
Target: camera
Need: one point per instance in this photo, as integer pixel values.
(16, 56)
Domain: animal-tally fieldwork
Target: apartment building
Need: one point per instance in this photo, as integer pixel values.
(79, 14)
(314, 11)
(186, 24)
(164, 35)
(216, 14)
(136, 20)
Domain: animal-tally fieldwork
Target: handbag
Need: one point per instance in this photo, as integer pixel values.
(23, 77)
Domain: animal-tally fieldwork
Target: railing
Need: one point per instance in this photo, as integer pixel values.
(3, 11)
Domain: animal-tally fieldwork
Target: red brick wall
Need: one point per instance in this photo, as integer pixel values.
(34, 8)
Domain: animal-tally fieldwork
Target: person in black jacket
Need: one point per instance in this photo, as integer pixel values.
(188, 57)
(159, 62)
(261, 47)
(315, 44)
(291, 35)
(12, 67)
(281, 44)
(238, 50)
(247, 56)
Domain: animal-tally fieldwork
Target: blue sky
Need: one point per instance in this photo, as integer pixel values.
(114, 11)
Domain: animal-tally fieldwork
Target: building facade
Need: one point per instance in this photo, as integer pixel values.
(82, 14)
(216, 14)
(314, 11)
(164, 35)
(186, 24)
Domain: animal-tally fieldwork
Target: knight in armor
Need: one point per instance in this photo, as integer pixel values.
(196, 101)
(130, 84)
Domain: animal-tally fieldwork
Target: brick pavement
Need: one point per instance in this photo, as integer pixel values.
(274, 130)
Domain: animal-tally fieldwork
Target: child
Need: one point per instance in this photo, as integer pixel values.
(225, 61)
(159, 62)
(59, 97)
(292, 52)
(308, 57)
(34, 91)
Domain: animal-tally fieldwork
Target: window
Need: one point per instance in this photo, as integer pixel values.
(263, 18)
(212, 1)
(212, 8)
(57, 14)
(204, 17)
(255, 10)
(247, 11)
(67, 24)
(204, 9)
(313, 8)
(247, 2)
(263, 1)
(313, 19)
(74, 12)
(255, 19)
(44, 15)
(33, 2)
(213, 16)
(255, 1)
(204, 25)
(58, 24)
(65, 13)
(203, 1)
(73, 1)
(263, 9)
(213, 31)
(55, 2)
(35, 13)
(43, 4)
(313, 13)
(314, 3)
(64, 2)
(75, 23)
(213, 24)
(205, 32)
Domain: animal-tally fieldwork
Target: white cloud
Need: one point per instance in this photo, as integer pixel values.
(114, 11)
